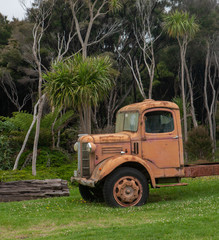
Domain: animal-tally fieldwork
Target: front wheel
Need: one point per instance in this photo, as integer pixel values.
(126, 187)
(91, 194)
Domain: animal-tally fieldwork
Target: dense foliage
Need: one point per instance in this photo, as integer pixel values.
(138, 44)
(14, 129)
(199, 144)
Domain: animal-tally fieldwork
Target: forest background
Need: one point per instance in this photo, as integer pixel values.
(145, 58)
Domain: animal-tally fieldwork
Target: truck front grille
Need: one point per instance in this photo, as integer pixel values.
(85, 161)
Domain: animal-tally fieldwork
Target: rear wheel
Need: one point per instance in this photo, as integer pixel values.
(126, 187)
(91, 194)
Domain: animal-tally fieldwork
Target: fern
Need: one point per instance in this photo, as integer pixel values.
(22, 120)
(18, 125)
(63, 120)
(49, 118)
(6, 126)
(19, 121)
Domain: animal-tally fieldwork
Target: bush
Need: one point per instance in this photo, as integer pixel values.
(68, 138)
(6, 160)
(17, 126)
(51, 158)
(46, 157)
(199, 144)
(64, 172)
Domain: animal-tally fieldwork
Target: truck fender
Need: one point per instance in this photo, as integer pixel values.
(105, 167)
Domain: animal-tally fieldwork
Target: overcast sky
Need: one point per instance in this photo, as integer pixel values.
(12, 8)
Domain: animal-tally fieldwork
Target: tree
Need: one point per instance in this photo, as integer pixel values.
(14, 69)
(95, 9)
(181, 26)
(42, 15)
(145, 39)
(141, 50)
(10, 89)
(5, 30)
(80, 83)
(210, 76)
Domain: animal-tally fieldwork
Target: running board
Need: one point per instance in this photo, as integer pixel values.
(171, 185)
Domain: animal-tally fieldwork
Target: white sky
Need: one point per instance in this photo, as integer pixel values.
(13, 8)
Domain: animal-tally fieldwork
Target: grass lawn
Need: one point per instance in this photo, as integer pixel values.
(189, 212)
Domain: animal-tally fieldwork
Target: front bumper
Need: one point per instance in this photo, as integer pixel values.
(84, 181)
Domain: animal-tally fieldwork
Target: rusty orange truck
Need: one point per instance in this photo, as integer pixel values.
(146, 148)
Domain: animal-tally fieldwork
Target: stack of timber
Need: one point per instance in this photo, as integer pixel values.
(32, 189)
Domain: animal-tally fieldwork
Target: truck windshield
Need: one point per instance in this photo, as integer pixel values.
(127, 121)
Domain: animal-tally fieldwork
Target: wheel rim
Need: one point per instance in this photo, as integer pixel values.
(127, 191)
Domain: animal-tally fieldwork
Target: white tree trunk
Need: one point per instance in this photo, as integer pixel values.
(195, 123)
(37, 133)
(27, 136)
(183, 97)
(208, 79)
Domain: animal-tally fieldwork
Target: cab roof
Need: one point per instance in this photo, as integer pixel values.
(148, 104)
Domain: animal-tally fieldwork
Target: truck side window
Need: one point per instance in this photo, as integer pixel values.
(159, 122)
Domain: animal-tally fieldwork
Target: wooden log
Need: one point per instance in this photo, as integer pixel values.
(32, 189)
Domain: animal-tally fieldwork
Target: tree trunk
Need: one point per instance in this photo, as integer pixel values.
(58, 139)
(151, 71)
(37, 133)
(209, 110)
(53, 132)
(94, 117)
(85, 118)
(195, 123)
(182, 53)
(88, 113)
(27, 136)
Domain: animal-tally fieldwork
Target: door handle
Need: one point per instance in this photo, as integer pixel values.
(176, 137)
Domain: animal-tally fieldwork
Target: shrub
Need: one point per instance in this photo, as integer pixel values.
(64, 172)
(6, 160)
(46, 157)
(199, 144)
(68, 138)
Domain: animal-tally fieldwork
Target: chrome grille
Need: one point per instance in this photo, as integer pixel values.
(79, 159)
(85, 161)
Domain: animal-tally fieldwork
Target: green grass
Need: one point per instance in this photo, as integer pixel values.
(190, 212)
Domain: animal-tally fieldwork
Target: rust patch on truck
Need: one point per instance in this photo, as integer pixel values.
(106, 167)
(147, 148)
(201, 170)
(148, 104)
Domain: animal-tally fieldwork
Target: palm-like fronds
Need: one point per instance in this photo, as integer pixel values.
(78, 80)
(115, 5)
(60, 84)
(180, 24)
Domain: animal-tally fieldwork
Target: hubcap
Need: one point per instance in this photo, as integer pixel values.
(127, 191)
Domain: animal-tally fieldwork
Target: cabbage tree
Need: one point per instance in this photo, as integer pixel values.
(183, 27)
(79, 83)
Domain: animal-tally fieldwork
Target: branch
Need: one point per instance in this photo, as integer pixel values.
(62, 44)
(114, 28)
(72, 5)
(28, 134)
(13, 93)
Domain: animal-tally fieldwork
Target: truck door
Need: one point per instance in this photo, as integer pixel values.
(160, 143)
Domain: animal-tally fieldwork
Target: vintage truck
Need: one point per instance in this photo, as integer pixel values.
(146, 148)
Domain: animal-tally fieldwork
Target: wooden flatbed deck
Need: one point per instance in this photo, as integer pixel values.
(201, 170)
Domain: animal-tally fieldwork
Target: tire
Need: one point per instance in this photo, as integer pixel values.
(91, 194)
(126, 187)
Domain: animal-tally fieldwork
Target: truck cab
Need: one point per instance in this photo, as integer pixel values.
(146, 148)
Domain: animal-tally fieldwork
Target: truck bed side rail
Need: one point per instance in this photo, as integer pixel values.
(200, 170)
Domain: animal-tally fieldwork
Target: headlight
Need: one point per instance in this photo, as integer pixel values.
(76, 146)
(91, 147)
